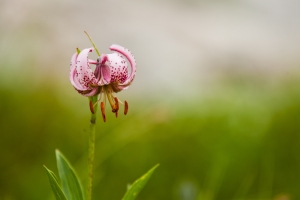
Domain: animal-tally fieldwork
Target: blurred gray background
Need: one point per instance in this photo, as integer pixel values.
(184, 46)
(216, 98)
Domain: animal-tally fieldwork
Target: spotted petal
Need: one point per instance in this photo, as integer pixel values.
(73, 73)
(130, 58)
(85, 74)
(105, 75)
(118, 67)
(90, 93)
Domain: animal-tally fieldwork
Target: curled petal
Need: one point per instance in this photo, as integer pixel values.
(73, 61)
(118, 87)
(105, 75)
(73, 73)
(90, 93)
(85, 74)
(118, 67)
(103, 58)
(130, 58)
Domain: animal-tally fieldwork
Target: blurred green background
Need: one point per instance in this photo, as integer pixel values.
(216, 99)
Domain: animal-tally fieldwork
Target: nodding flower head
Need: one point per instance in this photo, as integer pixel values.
(111, 75)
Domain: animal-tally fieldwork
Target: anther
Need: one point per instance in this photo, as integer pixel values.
(115, 107)
(103, 111)
(117, 102)
(92, 107)
(125, 107)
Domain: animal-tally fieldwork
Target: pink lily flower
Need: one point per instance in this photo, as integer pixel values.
(110, 75)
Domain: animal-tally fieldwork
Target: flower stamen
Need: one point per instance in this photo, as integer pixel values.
(125, 107)
(116, 106)
(111, 99)
(102, 106)
(92, 107)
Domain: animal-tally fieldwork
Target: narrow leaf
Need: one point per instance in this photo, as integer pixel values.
(59, 195)
(138, 185)
(70, 183)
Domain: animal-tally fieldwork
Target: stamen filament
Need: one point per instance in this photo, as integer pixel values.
(110, 98)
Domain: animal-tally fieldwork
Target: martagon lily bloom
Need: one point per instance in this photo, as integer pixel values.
(111, 75)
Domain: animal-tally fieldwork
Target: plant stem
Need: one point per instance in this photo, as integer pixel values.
(91, 149)
(92, 43)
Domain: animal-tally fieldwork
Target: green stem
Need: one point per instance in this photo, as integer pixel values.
(92, 43)
(91, 149)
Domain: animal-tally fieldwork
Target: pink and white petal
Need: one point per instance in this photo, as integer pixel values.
(97, 73)
(91, 93)
(73, 61)
(93, 62)
(73, 73)
(117, 87)
(104, 69)
(74, 80)
(118, 67)
(105, 74)
(103, 58)
(130, 58)
(84, 71)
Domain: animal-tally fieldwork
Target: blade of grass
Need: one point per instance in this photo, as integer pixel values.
(70, 182)
(138, 185)
(59, 195)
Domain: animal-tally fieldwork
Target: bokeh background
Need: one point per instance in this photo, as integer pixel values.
(216, 99)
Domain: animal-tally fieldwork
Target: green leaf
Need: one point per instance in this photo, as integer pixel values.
(59, 195)
(70, 183)
(138, 185)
